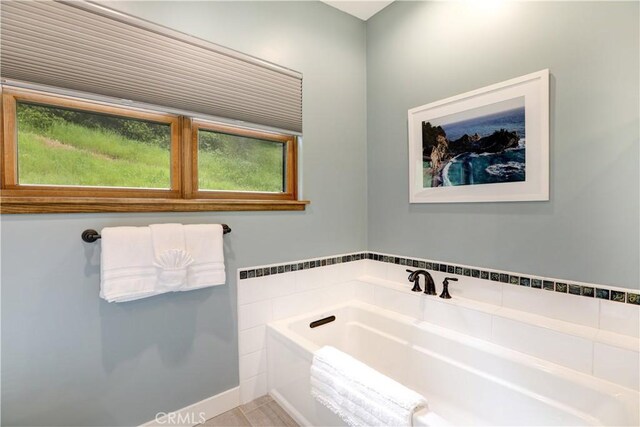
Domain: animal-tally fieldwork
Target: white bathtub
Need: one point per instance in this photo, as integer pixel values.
(465, 380)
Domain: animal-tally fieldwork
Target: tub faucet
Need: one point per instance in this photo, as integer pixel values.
(429, 285)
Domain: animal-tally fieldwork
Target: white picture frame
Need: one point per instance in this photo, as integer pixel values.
(519, 173)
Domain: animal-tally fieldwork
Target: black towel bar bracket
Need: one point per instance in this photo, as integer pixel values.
(91, 236)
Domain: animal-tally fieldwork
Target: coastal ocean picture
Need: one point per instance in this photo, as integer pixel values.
(484, 145)
(487, 145)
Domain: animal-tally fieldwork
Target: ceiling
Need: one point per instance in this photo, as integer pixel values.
(363, 9)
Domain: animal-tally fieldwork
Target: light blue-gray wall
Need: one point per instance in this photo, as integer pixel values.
(69, 358)
(420, 52)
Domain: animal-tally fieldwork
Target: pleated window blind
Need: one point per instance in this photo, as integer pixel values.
(84, 47)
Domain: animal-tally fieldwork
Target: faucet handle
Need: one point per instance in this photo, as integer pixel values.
(446, 280)
(410, 274)
(445, 287)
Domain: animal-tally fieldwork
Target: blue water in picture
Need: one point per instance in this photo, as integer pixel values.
(487, 168)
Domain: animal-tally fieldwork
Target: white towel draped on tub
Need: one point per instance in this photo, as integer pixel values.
(360, 395)
(138, 262)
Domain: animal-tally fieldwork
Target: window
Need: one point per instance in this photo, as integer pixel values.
(245, 163)
(62, 154)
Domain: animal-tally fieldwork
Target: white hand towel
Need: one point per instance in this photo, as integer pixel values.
(205, 244)
(360, 395)
(126, 266)
(170, 255)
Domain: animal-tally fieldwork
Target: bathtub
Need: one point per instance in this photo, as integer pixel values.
(466, 381)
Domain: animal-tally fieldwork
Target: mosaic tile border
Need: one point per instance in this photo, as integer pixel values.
(595, 291)
(303, 265)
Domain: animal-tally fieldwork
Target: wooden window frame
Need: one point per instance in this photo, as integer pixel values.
(183, 194)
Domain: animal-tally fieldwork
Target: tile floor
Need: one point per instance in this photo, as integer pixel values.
(262, 412)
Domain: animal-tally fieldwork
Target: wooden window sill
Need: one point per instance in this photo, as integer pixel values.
(17, 205)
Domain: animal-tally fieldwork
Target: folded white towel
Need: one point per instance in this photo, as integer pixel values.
(205, 244)
(360, 395)
(126, 267)
(171, 257)
(138, 262)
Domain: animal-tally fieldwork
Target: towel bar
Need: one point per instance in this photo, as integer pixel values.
(91, 236)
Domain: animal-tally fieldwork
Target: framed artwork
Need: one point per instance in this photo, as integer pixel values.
(487, 145)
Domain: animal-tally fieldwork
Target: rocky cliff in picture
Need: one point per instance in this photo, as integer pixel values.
(484, 145)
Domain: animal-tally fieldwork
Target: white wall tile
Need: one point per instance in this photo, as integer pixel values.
(337, 273)
(253, 364)
(557, 347)
(375, 269)
(339, 292)
(312, 278)
(250, 340)
(298, 303)
(345, 272)
(408, 304)
(617, 365)
(281, 284)
(253, 388)
(461, 319)
(567, 307)
(398, 273)
(252, 315)
(289, 305)
(620, 318)
(252, 290)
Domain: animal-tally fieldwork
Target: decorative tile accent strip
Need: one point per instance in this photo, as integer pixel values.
(574, 290)
(617, 296)
(495, 276)
(587, 291)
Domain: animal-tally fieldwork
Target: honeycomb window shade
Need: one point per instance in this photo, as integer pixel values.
(85, 47)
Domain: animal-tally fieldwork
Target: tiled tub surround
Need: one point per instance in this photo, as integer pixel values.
(527, 280)
(592, 335)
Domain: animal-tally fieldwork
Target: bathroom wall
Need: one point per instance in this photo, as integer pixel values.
(69, 358)
(419, 52)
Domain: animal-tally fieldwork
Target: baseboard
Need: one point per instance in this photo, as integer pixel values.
(198, 412)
